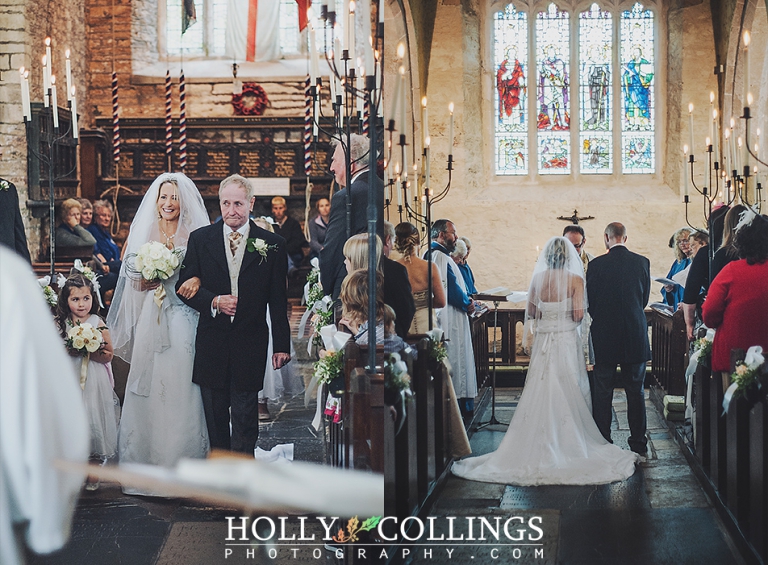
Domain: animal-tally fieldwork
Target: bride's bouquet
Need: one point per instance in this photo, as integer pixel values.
(155, 262)
(84, 339)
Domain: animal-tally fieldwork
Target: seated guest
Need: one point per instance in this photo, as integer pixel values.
(407, 243)
(737, 302)
(290, 230)
(106, 250)
(698, 239)
(354, 304)
(70, 233)
(397, 288)
(673, 294)
(318, 226)
(12, 232)
(395, 283)
(86, 212)
(727, 251)
(459, 256)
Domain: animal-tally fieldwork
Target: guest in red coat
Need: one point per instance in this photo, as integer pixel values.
(737, 303)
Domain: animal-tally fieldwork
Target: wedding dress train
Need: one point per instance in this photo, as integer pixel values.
(552, 438)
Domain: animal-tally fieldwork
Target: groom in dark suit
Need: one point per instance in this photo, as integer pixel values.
(618, 286)
(242, 269)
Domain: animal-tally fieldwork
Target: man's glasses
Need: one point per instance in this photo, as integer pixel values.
(579, 245)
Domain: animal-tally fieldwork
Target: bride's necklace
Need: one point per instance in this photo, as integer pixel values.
(168, 238)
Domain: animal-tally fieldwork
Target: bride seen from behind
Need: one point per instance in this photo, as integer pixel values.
(162, 419)
(407, 242)
(552, 438)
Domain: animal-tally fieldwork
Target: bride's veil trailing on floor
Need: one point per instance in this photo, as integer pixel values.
(557, 276)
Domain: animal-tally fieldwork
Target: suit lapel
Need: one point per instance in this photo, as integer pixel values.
(249, 256)
(216, 247)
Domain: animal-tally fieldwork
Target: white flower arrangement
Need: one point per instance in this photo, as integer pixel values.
(154, 261)
(50, 295)
(745, 374)
(4, 185)
(84, 339)
(396, 375)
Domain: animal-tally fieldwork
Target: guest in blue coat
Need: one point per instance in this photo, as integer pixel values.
(460, 255)
(106, 250)
(673, 294)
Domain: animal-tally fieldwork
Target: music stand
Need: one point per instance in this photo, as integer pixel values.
(494, 295)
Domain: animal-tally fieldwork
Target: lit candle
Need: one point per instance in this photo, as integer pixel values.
(399, 192)
(69, 75)
(370, 65)
(380, 107)
(690, 127)
(49, 59)
(424, 122)
(46, 84)
(685, 168)
(345, 21)
(741, 155)
(403, 126)
(726, 151)
(54, 102)
(360, 86)
(73, 99)
(716, 135)
(746, 67)
(732, 147)
(351, 42)
(25, 94)
(426, 163)
(314, 64)
(711, 110)
(450, 130)
(393, 114)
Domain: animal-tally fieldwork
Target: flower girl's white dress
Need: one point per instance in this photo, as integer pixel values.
(101, 402)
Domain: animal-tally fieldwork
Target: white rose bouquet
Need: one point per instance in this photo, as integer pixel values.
(155, 262)
(259, 246)
(84, 339)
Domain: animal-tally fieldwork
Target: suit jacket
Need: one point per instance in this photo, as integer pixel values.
(618, 287)
(11, 227)
(292, 233)
(235, 351)
(398, 295)
(332, 270)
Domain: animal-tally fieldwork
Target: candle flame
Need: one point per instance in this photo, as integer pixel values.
(47, 41)
(450, 107)
(690, 108)
(738, 140)
(714, 114)
(758, 132)
(45, 59)
(402, 70)
(708, 141)
(427, 141)
(53, 79)
(73, 91)
(747, 38)
(749, 99)
(26, 74)
(424, 102)
(21, 71)
(66, 53)
(726, 134)
(711, 97)
(733, 123)
(685, 149)
(400, 50)
(352, 7)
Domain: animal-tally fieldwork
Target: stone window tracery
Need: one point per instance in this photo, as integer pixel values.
(568, 63)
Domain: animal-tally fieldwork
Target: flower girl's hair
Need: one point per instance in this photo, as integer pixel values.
(62, 307)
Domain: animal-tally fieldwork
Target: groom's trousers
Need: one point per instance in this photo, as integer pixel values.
(633, 377)
(244, 414)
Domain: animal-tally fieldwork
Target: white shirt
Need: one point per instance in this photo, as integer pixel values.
(357, 174)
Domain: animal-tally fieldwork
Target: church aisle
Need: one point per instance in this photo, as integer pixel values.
(658, 516)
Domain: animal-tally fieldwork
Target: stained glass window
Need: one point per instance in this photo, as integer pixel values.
(613, 79)
(553, 115)
(510, 109)
(595, 74)
(637, 96)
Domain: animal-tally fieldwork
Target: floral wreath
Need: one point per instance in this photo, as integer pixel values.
(252, 101)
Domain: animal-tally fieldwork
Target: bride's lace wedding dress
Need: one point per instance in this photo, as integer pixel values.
(552, 438)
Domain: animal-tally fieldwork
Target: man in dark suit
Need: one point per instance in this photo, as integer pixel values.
(618, 286)
(11, 226)
(242, 269)
(396, 288)
(290, 230)
(332, 270)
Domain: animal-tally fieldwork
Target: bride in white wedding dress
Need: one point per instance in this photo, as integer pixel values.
(162, 419)
(552, 438)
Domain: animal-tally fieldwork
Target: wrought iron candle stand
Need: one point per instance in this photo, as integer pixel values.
(51, 140)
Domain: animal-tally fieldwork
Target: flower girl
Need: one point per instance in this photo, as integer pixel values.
(90, 347)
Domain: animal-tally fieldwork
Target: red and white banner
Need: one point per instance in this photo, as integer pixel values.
(253, 30)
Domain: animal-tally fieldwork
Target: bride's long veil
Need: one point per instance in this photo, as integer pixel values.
(127, 301)
(557, 276)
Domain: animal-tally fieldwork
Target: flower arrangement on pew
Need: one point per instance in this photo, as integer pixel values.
(746, 372)
(318, 307)
(397, 387)
(51, 298)
(437, 351)
(328, 370)
(704, 346)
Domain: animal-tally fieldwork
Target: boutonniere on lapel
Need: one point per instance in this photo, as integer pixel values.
(4, 185)
(260, 246)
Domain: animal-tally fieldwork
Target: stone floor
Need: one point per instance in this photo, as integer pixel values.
(658, 516)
